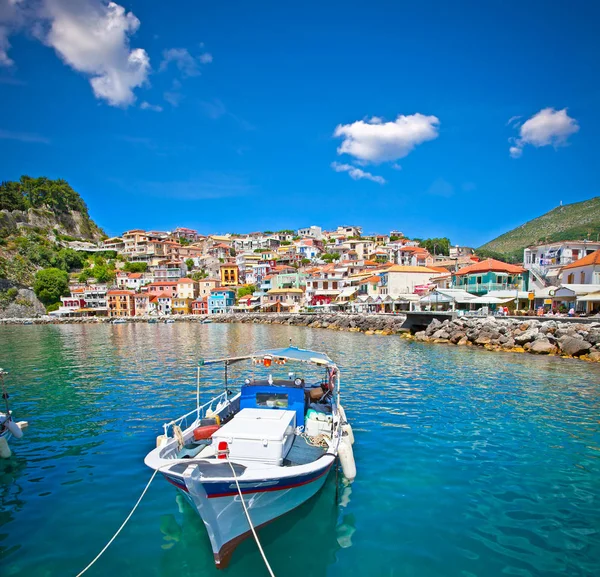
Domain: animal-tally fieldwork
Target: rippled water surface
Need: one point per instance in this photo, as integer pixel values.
(469, 463)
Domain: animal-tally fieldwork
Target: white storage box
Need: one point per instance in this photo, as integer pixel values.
(314, 427)
(263, 435)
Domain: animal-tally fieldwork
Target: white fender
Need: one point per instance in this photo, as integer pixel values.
(346, 427)
(4, 448)
(13, 428)
(347, 459)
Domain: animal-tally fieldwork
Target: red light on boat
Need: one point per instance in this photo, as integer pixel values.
(222, 449)
(267, 362)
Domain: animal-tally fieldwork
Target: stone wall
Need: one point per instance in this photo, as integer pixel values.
(541, 337)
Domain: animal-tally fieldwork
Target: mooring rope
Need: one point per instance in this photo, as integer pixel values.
(249, 520)
(123, 524)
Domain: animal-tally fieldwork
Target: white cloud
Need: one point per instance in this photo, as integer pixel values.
(154, 107)
(93, 37)
(5, 60)
(356, 173)
(187, 64)
(515, 151)
(549, 127)
(377, 141)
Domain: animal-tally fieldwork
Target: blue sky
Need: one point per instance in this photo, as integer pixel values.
(223, 116)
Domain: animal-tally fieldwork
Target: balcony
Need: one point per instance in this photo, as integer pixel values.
(486, 287)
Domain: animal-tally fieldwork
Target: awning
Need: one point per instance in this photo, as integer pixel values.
(348, 291)
(592, 297)
(488, 300)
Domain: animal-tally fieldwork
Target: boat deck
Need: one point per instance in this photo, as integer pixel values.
(302, 453)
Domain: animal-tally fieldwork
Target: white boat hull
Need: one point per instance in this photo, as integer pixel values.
(222, 512)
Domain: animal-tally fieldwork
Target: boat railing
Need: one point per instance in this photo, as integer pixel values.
(198, 413)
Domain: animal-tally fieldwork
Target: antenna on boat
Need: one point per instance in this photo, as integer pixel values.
(200, 363)
(4, 393)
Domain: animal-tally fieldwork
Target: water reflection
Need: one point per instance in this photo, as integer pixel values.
(469, 463)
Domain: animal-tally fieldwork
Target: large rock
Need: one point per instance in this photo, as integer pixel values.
(525, 337)
(574, 347)
(543, 347)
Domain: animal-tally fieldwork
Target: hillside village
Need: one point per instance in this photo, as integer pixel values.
(183, 272)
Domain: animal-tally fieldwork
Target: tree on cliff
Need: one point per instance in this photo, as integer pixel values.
(50, 284)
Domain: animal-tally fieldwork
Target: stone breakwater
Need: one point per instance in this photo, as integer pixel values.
(540, 337)
(369, 324)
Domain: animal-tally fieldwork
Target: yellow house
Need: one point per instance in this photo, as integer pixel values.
(182, 306)
(230, 275)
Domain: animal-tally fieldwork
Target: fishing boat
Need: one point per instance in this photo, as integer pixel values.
(244, 459)
(8, 426)
(118, 321)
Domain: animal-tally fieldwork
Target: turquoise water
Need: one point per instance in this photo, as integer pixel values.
(469, 463)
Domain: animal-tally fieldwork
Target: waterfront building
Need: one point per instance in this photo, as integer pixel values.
(230, 274)
(96, 300)
(545, 261)
(585, 270)
(142, 304)
(221, 300)
(121, 303)
(163, 303)
(188, 234)
(490, 275)
(187, 289)
(200, 306)
(283, 300)
(399, 280)
(181, 306)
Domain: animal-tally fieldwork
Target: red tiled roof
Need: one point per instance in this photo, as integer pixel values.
(591, 259)
(134, 275)
(163, 296)
(185, 281)
(489, 265)
(163, 283)
(120, 292)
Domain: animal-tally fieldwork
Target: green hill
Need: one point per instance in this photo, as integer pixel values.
(577, 221)
(38, 217)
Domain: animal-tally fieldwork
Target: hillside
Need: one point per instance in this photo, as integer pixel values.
(575, 221)
(38, 216)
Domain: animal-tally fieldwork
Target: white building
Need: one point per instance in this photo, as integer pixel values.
(311, 232)
(545, 261)
(585, 271)
(398, 280)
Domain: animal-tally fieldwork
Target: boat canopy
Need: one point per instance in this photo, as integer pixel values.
(287, 354)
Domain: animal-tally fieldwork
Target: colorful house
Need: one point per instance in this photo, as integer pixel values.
(490, 275)
(200, 306)
(166, 287)
(221, 301)
(121, 303)
(283, 300)
(181, 306)
(230, 274)
(187, 289)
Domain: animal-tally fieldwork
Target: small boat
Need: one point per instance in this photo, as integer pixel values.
(119, 321)
(168, 321)
(152, 321)
(8, 426)
(206, 321)
(243, 460)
